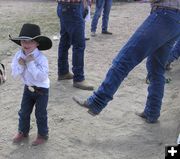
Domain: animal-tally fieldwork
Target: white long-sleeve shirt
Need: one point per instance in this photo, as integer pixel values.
(34, 73)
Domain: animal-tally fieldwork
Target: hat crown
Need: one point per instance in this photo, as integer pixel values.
(30, 30)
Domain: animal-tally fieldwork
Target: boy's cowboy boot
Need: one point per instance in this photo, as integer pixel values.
(40, 140)
(19, 137)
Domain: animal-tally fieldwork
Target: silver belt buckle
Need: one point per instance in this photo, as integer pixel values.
(31, 89)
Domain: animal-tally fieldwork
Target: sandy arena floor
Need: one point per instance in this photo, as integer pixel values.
(117, 133)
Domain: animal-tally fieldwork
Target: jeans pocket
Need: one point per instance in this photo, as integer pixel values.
(72, 13)
(64, 9)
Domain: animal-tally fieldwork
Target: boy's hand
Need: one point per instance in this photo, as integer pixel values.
(29, 58)
(21, 61)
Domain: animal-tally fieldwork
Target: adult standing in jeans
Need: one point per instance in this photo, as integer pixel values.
(72, 33)
(105, 6)
(152, 40)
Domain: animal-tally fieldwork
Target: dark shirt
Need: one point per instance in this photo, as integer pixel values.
(69, 1)
(166, 3)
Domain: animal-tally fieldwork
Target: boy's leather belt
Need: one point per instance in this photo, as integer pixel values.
(35, 89)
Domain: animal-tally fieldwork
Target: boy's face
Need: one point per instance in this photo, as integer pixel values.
(28, 46)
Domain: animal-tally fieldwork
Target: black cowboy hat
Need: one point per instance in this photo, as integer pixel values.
(32, 32)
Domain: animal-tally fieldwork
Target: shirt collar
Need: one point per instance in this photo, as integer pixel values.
(35, 53)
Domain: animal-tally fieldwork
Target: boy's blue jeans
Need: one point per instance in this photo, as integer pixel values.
(150, 40)
(40, 101)
(104, 5)
(72, 33)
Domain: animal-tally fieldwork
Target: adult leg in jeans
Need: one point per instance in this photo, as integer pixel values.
(78, 43)
(105, 17)
(63, 66)
(156, 31)
(169, 48)
(64, 45)
(156, 69)
(97, 14)
(175, 52)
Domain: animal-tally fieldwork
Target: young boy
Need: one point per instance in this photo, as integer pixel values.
(32, 67)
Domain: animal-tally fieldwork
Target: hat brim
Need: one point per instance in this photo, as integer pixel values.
(44, 42)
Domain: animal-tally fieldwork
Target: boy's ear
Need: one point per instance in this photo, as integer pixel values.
(37, 42)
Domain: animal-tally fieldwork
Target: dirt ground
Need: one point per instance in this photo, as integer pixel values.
(117, 133)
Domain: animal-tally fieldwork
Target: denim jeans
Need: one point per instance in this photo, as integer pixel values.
(104, 5)
(72, 33)
(28, 101)
(175, 52)
(169, 48)
(150, 40)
